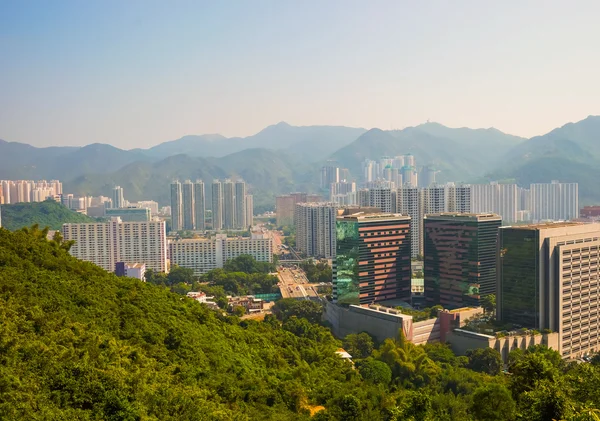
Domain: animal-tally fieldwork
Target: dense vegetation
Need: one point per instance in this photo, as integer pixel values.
(317, 272)
(77, 343)
(46, 214)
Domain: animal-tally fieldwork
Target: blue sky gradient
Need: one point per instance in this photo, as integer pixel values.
(137, 73)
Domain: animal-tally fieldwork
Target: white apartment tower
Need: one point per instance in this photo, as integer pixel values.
(200, 205)
(500, 199)
(107, 243)
(554, 201)
(315, 229)
(217, 205)
(240, 205)
(118, 199)
(249, 210)
(229, 205)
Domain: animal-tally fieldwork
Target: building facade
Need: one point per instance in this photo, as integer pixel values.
(240, 205)
(229, 211)
(129, 214)
(176, 207)
(204, 254)
(217, 205)
(188, 205)
(105, 244)
(548, 278)
(118, 199)
(459, 258)
(315, 229)
(554, 201)
(200, 205)
(372, 261)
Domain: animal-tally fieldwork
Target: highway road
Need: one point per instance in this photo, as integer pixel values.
(293, 284)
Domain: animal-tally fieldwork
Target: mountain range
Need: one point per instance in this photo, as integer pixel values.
(283, 158)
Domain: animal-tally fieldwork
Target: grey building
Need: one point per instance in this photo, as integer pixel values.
(217, 205)
(176, 207)
(200, 205)
(188, 205)
(240, 205)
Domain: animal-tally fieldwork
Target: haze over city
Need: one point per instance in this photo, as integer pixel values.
(137, 73)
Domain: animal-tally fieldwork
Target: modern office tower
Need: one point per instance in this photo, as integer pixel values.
(205, 254)
(229, 210)
(369, 168)
(554, 201)
(249, 203)
(548, 278)
(409, 176)
(459, 258)
(176, 206)
(372, 261)
(217, 205)
(107, 243)
(495, 198)
(118, 200)
(200, 205)
(240, 205)
(129, 214)
(330, 173)
(188, 206)
(408, 202)
(315, 228)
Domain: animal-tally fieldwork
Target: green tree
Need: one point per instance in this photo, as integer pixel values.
(488, 303)
(288, 307)
(239, 311)
(485, 360)
(493, 403)
(178, 275)
(359, 345)
(375, 371)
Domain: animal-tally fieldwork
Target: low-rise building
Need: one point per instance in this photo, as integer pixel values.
(131, 270)
(249, 302)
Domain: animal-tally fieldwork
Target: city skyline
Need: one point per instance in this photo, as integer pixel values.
(78, 73)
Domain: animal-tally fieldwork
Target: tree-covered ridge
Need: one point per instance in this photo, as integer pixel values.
(46, 214)
(78, 343)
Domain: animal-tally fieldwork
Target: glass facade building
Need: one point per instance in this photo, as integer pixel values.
(459, 258)
(372, 261)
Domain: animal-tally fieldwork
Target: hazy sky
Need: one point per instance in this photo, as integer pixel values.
(137, 73)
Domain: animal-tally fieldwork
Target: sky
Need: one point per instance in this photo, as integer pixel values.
(137, 73)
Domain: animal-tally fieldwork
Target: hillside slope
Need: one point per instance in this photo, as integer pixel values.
(46, 214)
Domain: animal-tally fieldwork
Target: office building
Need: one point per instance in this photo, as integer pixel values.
(548, 278)
(118, 200)
(459, 258)
(205, 254)
(129, 214)
(240, 205)
(176, 207)
(501, 199)
(217, 205)
(554, 201)
(188, 205)
(249, 210)
(315, 229)
(330, 173)
(372, 261)
(200, 205)
(107, 243)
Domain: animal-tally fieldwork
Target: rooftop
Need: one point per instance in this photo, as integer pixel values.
(365, 217)
(546, 225)
(447, 215)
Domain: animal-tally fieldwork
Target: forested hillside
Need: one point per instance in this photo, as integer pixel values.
(77, 343)
(46, 214)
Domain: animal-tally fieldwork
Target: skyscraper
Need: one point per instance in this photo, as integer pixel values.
(217, 205)
(229, 211)
(554, 201)
(409, 175)
(240, 205)
(118, 199)
(548, 278)
(249, 210)
(200, 205)
(176, 207)
(372, 261)
(188, 205)
(330, 173)
(459, 258)
(315, 228)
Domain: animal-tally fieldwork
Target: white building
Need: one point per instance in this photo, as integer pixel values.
(176, 206)
(105, 244)
(554, 201)
(315, 228)
(501, 199)
(205, 254)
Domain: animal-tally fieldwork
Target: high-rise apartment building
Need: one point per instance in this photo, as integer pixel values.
(554, 201)
(549, 278)
(200, 205)
(459, 258)
(330, 173)
(372, 261)
(107, 243)
(409, 175)
(285, 206)
(217, 205)
(240, 205)
(229, 210)
(176, 206)
(188, 205)
(495, 198)
(205, 254)
(249, 210)
(341, 188)
(118, 200)
(408, 202)
(315, 228)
